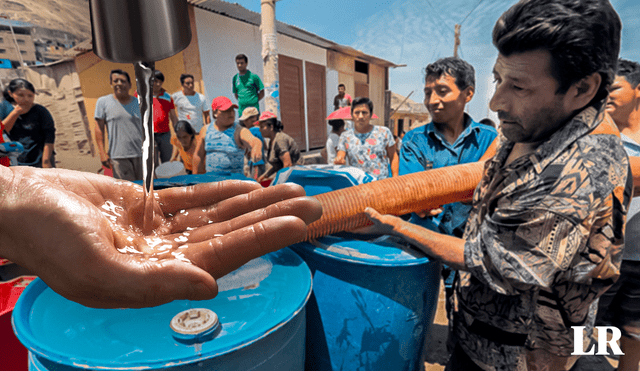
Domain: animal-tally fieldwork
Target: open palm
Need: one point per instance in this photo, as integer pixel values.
(83, 234)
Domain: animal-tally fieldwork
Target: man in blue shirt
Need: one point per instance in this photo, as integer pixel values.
(451, 138)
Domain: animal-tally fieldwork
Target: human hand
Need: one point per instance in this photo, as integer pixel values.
(339, 161)
(430, 212)
(382, 224)
(106, 162)
(19, 110)
(82, 234)
(256, 155)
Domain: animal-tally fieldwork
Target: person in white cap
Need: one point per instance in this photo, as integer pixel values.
(249, 120)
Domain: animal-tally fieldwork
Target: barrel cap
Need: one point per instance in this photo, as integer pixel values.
(194, 324)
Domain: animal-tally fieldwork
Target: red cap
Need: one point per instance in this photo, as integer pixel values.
(222, 104)
(267, 115)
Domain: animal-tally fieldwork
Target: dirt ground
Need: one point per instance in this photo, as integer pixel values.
(436, 355)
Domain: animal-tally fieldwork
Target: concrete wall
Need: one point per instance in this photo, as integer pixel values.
(221, 38)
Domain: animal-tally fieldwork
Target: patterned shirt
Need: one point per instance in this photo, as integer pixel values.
(543, 242)
(368, 151)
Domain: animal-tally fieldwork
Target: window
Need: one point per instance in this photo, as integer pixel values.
(23, 52)
(1, 40)
(362, 67)
(2, 51)
(20, 41)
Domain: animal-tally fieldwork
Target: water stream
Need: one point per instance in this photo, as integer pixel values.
(144, 78)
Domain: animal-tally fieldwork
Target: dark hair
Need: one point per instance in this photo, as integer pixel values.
(342, 85)
(336, 124)
(630, 70)
(16, 84)
(362, 100)
(183, 125)
(242, 56)
(119, 72)
(185, 76)
(488, 122)
(582, 36)
(158, 75)
(460, 70)
(275, 124)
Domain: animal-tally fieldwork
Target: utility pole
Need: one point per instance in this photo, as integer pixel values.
(270, 56)
(457, 41)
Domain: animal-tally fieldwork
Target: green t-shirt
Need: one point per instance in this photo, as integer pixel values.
(247, 88)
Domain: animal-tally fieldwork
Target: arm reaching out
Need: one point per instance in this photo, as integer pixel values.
(86, 240)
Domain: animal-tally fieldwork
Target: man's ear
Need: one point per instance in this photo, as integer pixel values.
(583, 91)
(469, 91)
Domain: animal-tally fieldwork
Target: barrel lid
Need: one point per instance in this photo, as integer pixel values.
(381, 251)
(253, 301)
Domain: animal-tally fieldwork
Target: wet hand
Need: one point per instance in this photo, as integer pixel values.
(82, 234)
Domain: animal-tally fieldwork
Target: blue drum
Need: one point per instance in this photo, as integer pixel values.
(257, 322)
(187, 180)
(371, 306)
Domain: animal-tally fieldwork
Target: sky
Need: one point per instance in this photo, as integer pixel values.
(417, 32)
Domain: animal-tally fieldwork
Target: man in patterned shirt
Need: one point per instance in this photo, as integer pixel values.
(545, 235)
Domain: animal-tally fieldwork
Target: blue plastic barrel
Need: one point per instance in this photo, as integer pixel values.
(192, 179)
(317, 179)
(371, 306)
(260, 307)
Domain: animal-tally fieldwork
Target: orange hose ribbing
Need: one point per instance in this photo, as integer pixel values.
(343, 210)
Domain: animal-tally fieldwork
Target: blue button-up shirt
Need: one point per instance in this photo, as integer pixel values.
(425, 148)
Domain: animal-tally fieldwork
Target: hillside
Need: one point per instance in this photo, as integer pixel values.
(64, 15)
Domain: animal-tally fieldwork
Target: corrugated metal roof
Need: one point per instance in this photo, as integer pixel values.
(240, 13)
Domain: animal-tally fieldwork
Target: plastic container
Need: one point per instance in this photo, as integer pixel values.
(170, 169)
(371, 306)
(318, 179)
(187, 180)
(260, 309)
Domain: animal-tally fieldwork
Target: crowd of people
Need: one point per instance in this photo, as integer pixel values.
(546, 245)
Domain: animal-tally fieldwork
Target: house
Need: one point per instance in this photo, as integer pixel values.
(16, 42)
(35, 44)
(406, 114)
(310, 68)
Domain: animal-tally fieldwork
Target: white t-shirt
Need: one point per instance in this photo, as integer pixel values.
(190, 108)
(332, 148)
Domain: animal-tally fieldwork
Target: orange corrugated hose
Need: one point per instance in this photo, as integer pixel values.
(343, 210)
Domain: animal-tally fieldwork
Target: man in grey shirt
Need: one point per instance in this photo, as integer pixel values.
(119, 115)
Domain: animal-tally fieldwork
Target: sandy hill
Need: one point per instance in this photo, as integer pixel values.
(64, 15)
